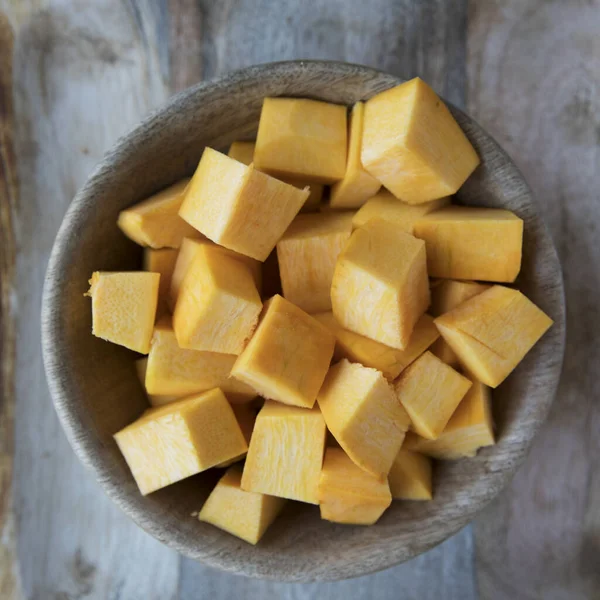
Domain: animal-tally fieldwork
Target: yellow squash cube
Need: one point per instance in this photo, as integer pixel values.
(364, 415)
(155, 222)
(218, 304)
(492, 332)
(177, 371)
(471, 427)
(390, 361)
(239, 207)
(246, 515)
(380, 287)
(141, 366)
(242, 152)
(246, 417)
(348, 494)
(307, 254)
(357, 185)
(124, 307)
(161, 261)
(472, 243)
(413, 145)
(288, 356)
(410, 476)
(302, 138)
(386, 206)
(430, 391)
(172, 442)
(188, 252)
(286, 453)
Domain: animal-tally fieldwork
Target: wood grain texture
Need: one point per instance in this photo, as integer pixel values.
(534, 82)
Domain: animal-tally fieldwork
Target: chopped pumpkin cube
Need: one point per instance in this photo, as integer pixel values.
(246, 417)
(286, 453)
(141, 366)
(124, 307)
(161, 261)
(413, 145)
(307, 254)
(357, 185)
(302, 138)
(430, 391)
(493, 331)
(288, 356)
(177, 371)
(470, 428)
(390, 361)
(380, 287)
(472, 243)
(348, 494)
(218, 304)
(189, 250)
(242, 152)
(410, 476)
(172, 442)
(239, 207)
(155, 222)
(386, 206)
(246, 515)
(364, 415)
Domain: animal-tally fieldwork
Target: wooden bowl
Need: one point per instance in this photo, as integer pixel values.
(96, 393)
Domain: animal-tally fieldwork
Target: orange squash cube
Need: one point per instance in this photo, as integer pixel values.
(410, 476)
(242, 152)
(141, 366)
(246, 418)
(161, 261)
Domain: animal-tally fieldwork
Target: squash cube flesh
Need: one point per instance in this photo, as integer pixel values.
(493, 331)
(286, 453)
(242, 152)
(288, 356)
(307, 254)
(124, 307)
(472, 243)
(357, 185)
(245, 415)
(363, 414)
(172, 442)
(413, 145)
(141, 366)
(239, 207)
(390, 361)
(155, 222)
(218, 304)
(302, 138)
(380, 287)
(348, 494)
(410, 476)
(430, 391)
(161, 261)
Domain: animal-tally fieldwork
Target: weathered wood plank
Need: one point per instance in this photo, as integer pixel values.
(534, 83)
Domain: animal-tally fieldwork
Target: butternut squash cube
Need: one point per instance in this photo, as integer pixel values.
(390, 361)
(246, 417)
(124, 307)
(357, 185)
(218, 304)
(445, 296)
(161, 261)
(493, 331)
(430, 391)
(302, 138)
(288, 356)
(363, 414)
(155, 222)
(472, 243)
(177, 371)
(413, 145)
(242, 152)
(348, 494)
(410, 476)
(384, 205)
(239, 207)
(286, 453)
(470, 428)
(246, 515)
(380, 287)
(141, 366)
(188, 252)
(307, 254)
(172, 442)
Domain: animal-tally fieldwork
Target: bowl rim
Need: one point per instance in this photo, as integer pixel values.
(76, 433)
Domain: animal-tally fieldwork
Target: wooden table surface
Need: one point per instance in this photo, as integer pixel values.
(86, 71)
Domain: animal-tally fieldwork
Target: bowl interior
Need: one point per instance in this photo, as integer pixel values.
(96, 392)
